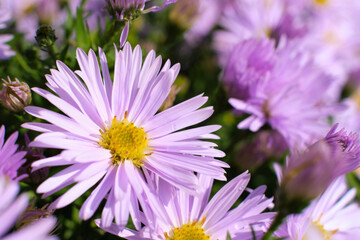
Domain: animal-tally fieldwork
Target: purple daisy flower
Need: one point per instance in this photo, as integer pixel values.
(5, 51)
(112, 134)
(307, 174)
(177, 215)
(11, 209)
(288, 92)
(10, 159)
(333, 215)
(319, 165)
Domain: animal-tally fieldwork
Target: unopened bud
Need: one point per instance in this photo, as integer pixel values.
(15, 95)
(45, 37)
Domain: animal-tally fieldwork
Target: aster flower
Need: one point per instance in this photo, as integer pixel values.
(307, 174)
(333, 215)
(178, 215)
(288, 92)
(112, 134)
(11, 208)
(5, 51)
(10, 159)
(244, 19)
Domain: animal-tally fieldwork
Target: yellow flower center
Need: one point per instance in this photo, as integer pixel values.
(191, 231)
(317, 231)
(321, 2)
(125, 142)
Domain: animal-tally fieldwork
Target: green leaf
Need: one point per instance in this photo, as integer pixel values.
(228, 237)
(82, 34)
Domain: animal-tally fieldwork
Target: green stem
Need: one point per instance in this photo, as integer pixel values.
(25, 66)
(274, 225)
(52, 53)
(116, 26)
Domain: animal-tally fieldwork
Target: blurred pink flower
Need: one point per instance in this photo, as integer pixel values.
(308, 173)
(284, 89)
(244, 19)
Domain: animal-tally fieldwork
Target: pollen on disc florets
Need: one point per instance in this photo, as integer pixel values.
(317, 227)
(321, 2)
(125, 142)
(193, 231)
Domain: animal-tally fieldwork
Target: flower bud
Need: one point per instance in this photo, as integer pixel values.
(15, 95)
(45, 37)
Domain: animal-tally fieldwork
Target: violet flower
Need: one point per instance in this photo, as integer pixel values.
(111, 134)
(288, 92)
(178, 215)
(10, 159)
(333, 215)
(308, 173)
